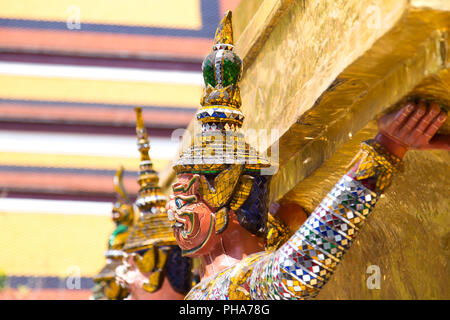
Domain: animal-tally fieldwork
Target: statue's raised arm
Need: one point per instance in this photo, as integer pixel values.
(218, 208)
(301, 267)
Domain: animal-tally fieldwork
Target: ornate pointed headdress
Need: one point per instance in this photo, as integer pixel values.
(220, 148)
(122, 215)
(220, 143)
(152, 227)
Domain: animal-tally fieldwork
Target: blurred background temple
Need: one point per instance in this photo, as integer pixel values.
(71, 72)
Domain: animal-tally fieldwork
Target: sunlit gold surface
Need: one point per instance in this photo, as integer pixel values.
(316, 185)
(266, 16)
(408, 237)
(411, 55)
(305, 51)
(304, 59)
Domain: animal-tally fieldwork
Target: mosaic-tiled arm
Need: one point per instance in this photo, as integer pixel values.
(301, 267)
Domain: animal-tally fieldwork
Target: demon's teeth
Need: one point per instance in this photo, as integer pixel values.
(177, 225)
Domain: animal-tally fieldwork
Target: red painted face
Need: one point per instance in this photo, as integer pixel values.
(193, 221)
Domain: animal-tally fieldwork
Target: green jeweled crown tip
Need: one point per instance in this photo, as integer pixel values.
(222, 70)
(222, 67)
(229, 69)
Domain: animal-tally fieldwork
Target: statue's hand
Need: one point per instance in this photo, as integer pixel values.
(122, 276)
(413, 127)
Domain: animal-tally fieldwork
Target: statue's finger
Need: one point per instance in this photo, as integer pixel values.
(401, 117)
(274, 207)
(433, 127)
(407, 127)
(439, 141)
(423, 123)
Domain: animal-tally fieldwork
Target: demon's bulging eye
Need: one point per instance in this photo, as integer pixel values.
(179, 203)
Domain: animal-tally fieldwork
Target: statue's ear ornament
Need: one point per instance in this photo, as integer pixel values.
(222, 219)
(146, 263)
(160, 256)
(243, 189)
(113, 290)
(220, 193)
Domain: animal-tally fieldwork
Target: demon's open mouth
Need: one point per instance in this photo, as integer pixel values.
(184, 228)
